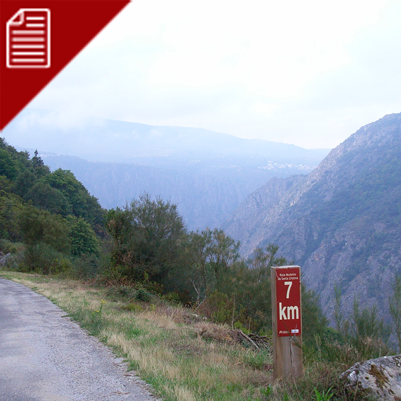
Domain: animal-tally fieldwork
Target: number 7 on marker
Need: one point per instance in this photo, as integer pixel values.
(289, 283)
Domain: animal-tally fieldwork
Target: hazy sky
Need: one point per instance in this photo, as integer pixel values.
(303, 72)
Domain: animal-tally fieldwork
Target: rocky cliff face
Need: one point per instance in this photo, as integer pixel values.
(341, 223)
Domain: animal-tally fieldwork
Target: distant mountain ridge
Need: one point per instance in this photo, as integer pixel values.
(207, 174)
(125, 142)
(341, 222)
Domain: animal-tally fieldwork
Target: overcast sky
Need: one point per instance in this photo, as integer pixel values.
(304, 72)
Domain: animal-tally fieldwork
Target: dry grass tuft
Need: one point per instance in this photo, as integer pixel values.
(215, 332)
(183, 394)
(158, 319)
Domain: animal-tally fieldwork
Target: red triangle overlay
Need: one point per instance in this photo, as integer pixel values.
(73, 24)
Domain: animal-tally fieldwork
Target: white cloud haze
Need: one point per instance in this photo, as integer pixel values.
(308, 73)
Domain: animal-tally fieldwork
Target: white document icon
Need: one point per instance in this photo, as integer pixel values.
(28, 39)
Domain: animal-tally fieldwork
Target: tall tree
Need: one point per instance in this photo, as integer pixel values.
(83, 238)
(208, 256)
(147, 237)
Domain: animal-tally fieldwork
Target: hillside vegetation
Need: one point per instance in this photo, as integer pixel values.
(50, 224)
(149, 268)
(47, 220)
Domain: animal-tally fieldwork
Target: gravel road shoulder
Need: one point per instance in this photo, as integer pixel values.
(44, 356)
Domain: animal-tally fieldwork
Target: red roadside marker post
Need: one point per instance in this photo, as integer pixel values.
(287, 321)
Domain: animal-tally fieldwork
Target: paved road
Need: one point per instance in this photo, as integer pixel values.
(46, 357)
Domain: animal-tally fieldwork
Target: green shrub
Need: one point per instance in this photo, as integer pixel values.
(42, 258)
(7, 246)
(86, 266)
(122, 293)
(173, 298)
(133, 307)
(143, 295)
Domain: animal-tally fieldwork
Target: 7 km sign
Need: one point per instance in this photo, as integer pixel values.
(288, 301)
(287, 321)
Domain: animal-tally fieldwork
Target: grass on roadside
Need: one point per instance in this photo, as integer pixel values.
(167, 347)
(165, 351)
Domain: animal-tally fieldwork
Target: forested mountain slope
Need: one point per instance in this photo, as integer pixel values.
(47, 219)
(205, 199)
(341, 223)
